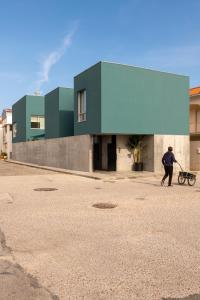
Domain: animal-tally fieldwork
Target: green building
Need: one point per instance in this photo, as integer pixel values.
(113, 101)
(59, 113)
(28, 119)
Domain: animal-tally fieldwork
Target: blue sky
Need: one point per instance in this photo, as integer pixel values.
(44, 43)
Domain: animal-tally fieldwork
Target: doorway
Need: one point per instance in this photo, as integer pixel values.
(104, 153)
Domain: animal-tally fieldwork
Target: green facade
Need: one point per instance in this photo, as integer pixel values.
(59, 113)
(130, 100)
(22, 111)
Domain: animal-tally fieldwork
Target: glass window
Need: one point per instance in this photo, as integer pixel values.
(14, 130)
(37, 122)
(82, 106)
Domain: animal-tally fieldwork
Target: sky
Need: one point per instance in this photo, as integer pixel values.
(45, 43)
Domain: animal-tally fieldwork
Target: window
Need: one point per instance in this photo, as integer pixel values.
(14, 130)
(198, 121)
(82, 106)
(37, 122)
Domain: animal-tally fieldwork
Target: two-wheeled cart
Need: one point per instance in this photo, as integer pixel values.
(186, 176)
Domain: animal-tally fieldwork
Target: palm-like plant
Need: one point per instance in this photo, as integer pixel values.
(135, 147)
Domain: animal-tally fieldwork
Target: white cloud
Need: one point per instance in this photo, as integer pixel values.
(52, 58)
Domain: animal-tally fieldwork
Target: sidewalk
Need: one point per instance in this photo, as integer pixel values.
(98, 175)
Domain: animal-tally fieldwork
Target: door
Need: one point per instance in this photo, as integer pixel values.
(97, 153)
(112, 155)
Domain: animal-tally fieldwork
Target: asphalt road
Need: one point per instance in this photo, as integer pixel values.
(15, 283)
(58, 243)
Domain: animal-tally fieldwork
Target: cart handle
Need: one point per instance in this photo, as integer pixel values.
(180, 166)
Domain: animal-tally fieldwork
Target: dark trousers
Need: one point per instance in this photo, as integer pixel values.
(168, 172)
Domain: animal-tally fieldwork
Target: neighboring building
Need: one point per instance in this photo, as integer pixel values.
(7, 132)
(195, 128)
(28, 119)
(1, 135)
(59, 113)
(113, 101)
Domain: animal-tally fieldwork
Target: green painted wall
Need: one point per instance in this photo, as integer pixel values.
(142, 101)
(34, 107)
(19, 117)
(22, 111)
(91, 81)
(59, 113)
(130, 100)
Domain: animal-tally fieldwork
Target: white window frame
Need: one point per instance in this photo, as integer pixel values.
(38, 121)
(81, 106)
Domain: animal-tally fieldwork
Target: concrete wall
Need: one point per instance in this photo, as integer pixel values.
(195, 155)
(181, 149)
(73, 153)
(125, 159)
(153, 149)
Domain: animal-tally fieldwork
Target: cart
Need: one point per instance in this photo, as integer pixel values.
(183, 176)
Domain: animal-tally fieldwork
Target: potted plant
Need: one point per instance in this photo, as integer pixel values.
(3, 155)
(135, 147)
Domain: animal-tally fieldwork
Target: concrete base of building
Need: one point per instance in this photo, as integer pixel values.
(153, 148)
(77, 152)
(73, 153)
(195, 155)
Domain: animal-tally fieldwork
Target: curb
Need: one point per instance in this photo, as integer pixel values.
(56, 170)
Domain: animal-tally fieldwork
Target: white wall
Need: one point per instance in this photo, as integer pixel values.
(181, 149)
(153, 149)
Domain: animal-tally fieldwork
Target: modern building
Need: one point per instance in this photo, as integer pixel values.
(113, 101)
(7, 132)
(59, 113)
(28, 119)
(195, 128)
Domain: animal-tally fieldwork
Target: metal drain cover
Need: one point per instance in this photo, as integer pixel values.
(104, 205)
(45, 189)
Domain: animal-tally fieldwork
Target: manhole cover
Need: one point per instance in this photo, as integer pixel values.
(45, 189)
(104, 205)
(140, 198)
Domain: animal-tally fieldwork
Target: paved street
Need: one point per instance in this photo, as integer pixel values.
(56, 245)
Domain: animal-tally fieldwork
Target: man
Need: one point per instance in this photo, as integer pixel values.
(167, 161)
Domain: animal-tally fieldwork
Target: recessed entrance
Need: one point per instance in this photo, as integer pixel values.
(104, 153)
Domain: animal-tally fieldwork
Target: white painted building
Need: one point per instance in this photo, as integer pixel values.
(7, 132)
(1, 135)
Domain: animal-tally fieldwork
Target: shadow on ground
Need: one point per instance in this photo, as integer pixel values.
(190, 297)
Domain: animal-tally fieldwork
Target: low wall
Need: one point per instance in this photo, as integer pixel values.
(195, 155)
(72, 153)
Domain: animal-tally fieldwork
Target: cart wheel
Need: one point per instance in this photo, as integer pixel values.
(191, 181)
(181, 179)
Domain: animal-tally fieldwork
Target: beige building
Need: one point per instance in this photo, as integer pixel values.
(1, 135)
(195, 129)
(7, 132)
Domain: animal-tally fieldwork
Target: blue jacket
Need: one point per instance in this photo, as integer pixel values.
(168, 159)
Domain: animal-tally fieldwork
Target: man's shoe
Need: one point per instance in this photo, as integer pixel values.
(162, 182)
(170, 185)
